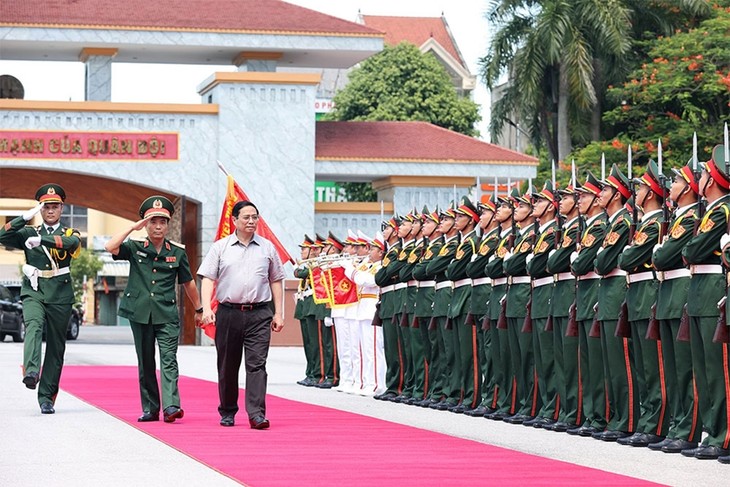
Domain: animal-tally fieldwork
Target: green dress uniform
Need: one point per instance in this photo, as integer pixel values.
(518, 295)
(466, 375)
(405, 293)
(441, 304)
(543, 346)
(47, 300)
(150, 304)
(686, 423)
(641, 295)
(386, 277)
(706, 288)
(481, 291)
(305, 312)
(617, 353)
(424, 313)
(566, 348)
(416, 377)
(504, 401)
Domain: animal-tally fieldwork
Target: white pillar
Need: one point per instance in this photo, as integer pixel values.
(98, 74)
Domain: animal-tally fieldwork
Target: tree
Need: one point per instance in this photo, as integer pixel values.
(402, 83)
(86, 265)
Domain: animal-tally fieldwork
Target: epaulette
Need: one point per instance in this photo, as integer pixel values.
(177, 244)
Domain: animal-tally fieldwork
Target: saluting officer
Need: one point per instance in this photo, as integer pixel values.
(156, 264)
(47, 291)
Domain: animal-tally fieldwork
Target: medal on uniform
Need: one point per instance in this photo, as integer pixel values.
(612, 238)
(640, 238)
(588, 240)
(678, 231)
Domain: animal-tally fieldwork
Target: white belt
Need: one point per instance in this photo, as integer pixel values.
(54, 273)
(401, 285)
(675, 274)
(519, 279)
(640, 276)
(462, 283)
(616, 272)
(443, 285)
(543, 281)
(706, 269)
(590, 275)
(426, 283)
(412, 283)
(386, 289)
(307, 293)
(481, 280)
(564, 276)
(499, 281)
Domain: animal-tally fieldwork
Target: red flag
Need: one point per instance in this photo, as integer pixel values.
(320, 286)
(343, 290)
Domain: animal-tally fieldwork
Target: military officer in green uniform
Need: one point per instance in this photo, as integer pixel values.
(545, 207)
(706, 288)
(307, 311)
(327, 337)
(589, 378)
(518, 295)
(686, 425)
(467, 376)
(481, 290)
(47, 291)
(617, 354)
(563, 296)
(504, 402)
(156, 264)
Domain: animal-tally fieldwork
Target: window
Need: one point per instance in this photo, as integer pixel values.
(75, 217)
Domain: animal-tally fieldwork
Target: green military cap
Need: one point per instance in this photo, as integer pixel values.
(618, 181)
(547, 192)
(467, 208)
(307, 242)
(393, 222)
(652, 178)
(50, 193)
(334, 241)
(411, 216)
(526, 197)
(431, 215)
(487, 204)
(630, 204)
(318, 240)
(156, 206)
(511, 197)
(686, 173)
(592, 185)
(716, 167)
(449, 211)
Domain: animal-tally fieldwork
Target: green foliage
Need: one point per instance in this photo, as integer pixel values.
(87, 264)
(401, 83)
(360, 192)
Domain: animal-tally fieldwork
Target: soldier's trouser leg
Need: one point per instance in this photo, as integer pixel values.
(506, 375)
(686, 423)
(318, 372)
(418, 359)
(393, 371)
(329, 343)
(404, 339)
(470, 377)
(307, 345)
(485, 343)
(366, 332)
(567, 373)
(57, 316)
(654, 400)
(168, 336)
(544, 350)
(356, 353)
(34, 315)
(524, 363)
(452, 384)
(144, 345)
(435, 362)
(592, 378)
(344, 350)
(380, 362)
(619, 369)
(710, 362)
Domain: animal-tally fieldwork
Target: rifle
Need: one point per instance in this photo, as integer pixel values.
(595, 331)
(502, 321)
(403, 321)
(377, 320)
(652, 331)
(572, 329)
(721, 332)
(486, 322)
(433, 323)
(414, 322)
(527, 324)
(623, 328)
(449, 323)
(683, 332)
(470, 320)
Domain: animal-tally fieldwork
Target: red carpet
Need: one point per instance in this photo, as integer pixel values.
(313, 445)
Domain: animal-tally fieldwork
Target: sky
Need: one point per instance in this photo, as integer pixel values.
(147, 83)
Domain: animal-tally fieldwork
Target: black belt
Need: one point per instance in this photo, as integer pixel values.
(245, 306)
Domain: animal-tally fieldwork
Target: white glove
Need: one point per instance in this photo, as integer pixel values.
(550, 254)
(328, 321)
(33, 242)
(724, 240)
(529, 258)
(658, 246)
(573, 256)
(474, 257)
(28, 215)
(508, 255)
(349, 269)
(492, 257)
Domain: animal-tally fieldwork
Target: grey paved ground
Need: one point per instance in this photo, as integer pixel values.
(82, 446)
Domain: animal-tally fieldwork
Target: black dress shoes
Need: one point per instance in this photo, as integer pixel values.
(307, 382)
(47, 408)
(258, 423)
(559, 427)
(427, 402)
(725, 460)
(678, 446)
(613, 435)
(516, 419)
(171, 413)
(477, 411)
(711, 452)
(148, 417)
(587, 431)
(458, 409)
(30, 380)
(228, 421)
(690, 452)
(386, 396)
(637, 436)
(640, 440)
(659, 444)
(327, 384)
(497, 415)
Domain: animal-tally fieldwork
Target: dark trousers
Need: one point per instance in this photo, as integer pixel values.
(166, 335)
(237, 333)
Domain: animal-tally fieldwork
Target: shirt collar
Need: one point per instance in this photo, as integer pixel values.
(650, 214)
(683, 209)
(233, 239)
(544, 226)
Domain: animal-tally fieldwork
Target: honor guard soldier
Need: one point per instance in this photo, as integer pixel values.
(685, 428)
(706, 288)
(636, 261)
(326, 330)
(504, 402)
(545, 208)
(156, 265)
(563, 297)
(518, 297)
(47, 291)
(424, 306)
(441, 303)
(481, 290)
(591, 380)
(466, 377)
(304, 301)
(385, 278)
(617, 353)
